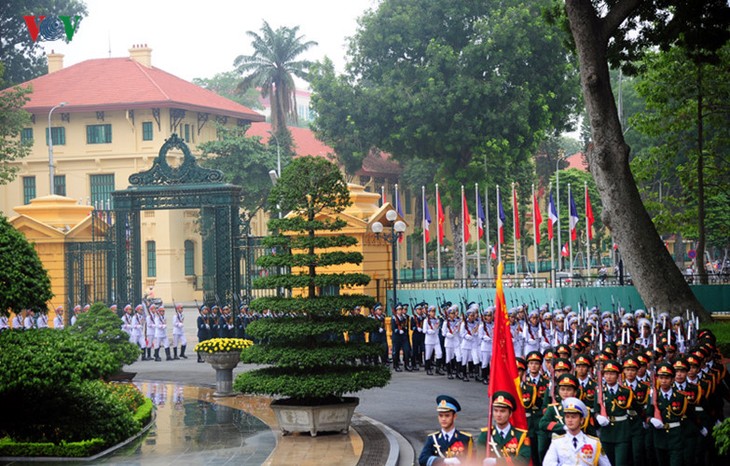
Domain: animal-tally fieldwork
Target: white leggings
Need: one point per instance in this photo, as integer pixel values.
(431, 348)
(179, 340)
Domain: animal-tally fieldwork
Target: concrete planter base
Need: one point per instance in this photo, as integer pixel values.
(333, 417)
(223, 363)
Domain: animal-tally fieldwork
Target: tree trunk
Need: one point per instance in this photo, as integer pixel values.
(656, 277)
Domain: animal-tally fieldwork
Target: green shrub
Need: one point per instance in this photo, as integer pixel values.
(81, 449)
(128, 394)
(104, 326)
(71, 413)
(721, 433)
(144, 412)
(45, 360)
(721, 330)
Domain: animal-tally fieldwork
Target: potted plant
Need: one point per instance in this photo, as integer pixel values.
(310, 366)
(224, 355)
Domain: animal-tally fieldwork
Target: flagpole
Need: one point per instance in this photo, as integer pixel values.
(423, 225)
(397, 243)
(499, 242)
(463, 238)
(536, 228)
(479, 240)
(552, 257)
(438, 233)
(514, 226)
(570, 235)
(382, 195)
(557, 208)
(486, 219)
(588, 233)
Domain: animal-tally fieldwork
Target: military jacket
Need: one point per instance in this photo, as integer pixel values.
(673, 412)
(437, 447)
(587, 451)
(587, 393)
(617, 407)
(513, 449)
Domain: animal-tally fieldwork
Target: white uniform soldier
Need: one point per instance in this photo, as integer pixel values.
(178, 332)
(532, 332)
(137, 337)
(127, 322)
(575, 447)
(18, 321)
(468, 331)
(486, 332)
(4, 323)
(58, 323)
(75, 315)
(161, 339)
(517, 328)
(42, 321)
(431, 340)
(150, 329)
(548, 330)
(29, 321)
(450, 331)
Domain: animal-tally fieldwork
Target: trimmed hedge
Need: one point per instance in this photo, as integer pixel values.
(307, 384)
(103, 325)
(303, 328)
(81, 449)
(301, 357)
(320, 306)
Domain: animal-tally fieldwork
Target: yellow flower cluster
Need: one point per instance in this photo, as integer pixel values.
(223, 345)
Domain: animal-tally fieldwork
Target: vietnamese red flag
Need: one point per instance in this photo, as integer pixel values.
(467, 220)
(537, 217)
(516, 213)
(503, 372)
(440, 218)
(589, 215)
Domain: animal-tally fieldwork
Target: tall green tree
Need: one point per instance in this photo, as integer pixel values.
(23, 58)
(618, 32)
(245, 161)
(12, 121)
(272, 67)
(454, 82)
(226, 84)
(683, 96)
(24, 282)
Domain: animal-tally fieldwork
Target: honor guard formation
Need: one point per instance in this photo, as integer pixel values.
(621, 388)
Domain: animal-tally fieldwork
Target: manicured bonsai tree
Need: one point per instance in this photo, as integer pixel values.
(310, 362)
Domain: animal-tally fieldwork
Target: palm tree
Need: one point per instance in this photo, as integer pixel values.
(272, 67)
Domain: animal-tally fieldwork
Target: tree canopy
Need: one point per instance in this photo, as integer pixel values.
(454, 82)
(12, 121)
(23, 58)
(226, 84)
(24, 282)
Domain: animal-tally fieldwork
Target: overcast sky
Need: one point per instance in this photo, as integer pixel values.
(200, 39)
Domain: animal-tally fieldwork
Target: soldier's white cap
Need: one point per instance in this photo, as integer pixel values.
(574, 405)
(676, 320)
(534, 313)
(644, 323)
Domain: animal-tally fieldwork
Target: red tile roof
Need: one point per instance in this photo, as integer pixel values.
(121, 84)
(304, 140)
(577, 160)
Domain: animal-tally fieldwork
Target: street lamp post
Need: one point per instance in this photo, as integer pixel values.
(50, 149)
(396, 231)
(278, 154)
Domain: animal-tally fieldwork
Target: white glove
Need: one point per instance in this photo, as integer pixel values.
(452, 461)
(531, 341)
(602, 420)
(381, 330)
(430, 332)
(468, 337)
(449, 335)
(401, 332)
(703, 431)
(489, 462)
(657, 423)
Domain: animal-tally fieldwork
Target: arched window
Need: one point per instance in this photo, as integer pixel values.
(151, 259)
(189, 257)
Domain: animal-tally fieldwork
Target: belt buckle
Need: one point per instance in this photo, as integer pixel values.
(666, 427)
(612, 419)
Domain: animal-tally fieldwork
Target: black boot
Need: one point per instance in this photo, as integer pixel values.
(450, 370)
(167, 354)
(174, 353)
(457, 369)
(429, 371)
(440, 366)
(464, 373)
(478, 371)
(182, 352)
(157, 355)
(149, 353)
(144, 354)
(199, 358)
(485, 376)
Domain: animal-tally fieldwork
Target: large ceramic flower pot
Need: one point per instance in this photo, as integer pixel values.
(223, 363)
(333, 417)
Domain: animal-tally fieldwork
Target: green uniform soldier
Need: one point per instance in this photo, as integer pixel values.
(533, 386)
(672, 407)
(552, 422)
(637, 410)
(702, 406)
(691, 427)
(508, 444)
(615, 431)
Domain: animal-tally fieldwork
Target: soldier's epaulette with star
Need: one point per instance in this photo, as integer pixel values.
(485, 429)
(594, 438)
(555, 404)
(520, 430)
(560, 436)
(465, 433)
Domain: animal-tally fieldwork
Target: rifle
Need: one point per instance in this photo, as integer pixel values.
(657, 412)
(599, 383)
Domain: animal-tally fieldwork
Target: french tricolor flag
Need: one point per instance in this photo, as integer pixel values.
(573, 219)
(426, 221)
(553, 214)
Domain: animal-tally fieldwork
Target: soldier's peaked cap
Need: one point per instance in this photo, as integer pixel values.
(665, 368)
(574, 405)
(568, 380)
(446, 403)
(612, 366)
(503, 400)
(534, 356)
